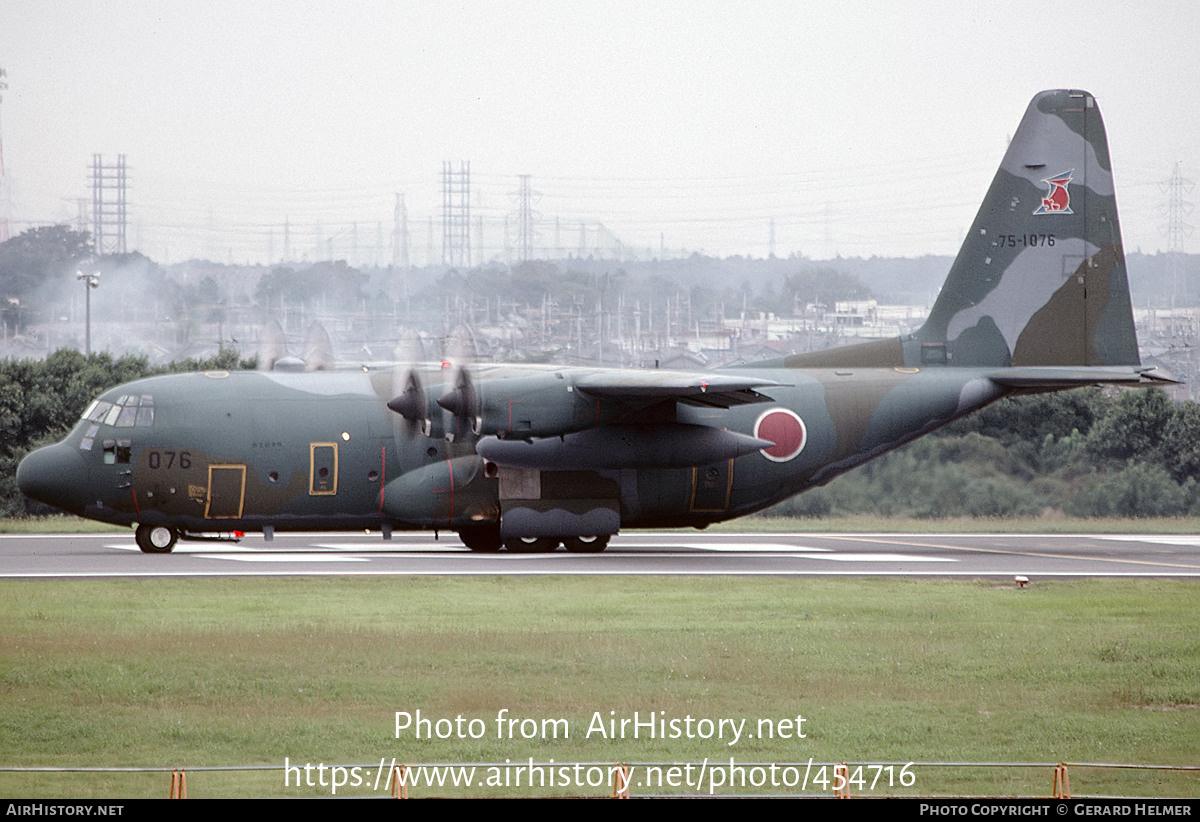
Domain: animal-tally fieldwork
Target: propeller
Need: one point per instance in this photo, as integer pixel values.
(273, 354)
(462, 401)
(408, 391)
(272, 346)
(318, 349)
(410, 399)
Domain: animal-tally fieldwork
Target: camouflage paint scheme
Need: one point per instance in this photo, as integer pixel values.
(533, 457)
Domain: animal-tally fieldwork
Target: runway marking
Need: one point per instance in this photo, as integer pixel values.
(436, 548)
(188, 547)
(734, 547)
(319, 553)
(1039, 554)
(875, 558)
(288, 556)
(1193, 542)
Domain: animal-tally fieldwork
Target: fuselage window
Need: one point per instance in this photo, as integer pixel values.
(118, 452)
(89, 437)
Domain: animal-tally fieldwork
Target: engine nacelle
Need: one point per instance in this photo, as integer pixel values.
(669, 445)
(523, 408)
(450, 494)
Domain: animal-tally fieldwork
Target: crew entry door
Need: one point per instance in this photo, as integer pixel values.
(226, 491)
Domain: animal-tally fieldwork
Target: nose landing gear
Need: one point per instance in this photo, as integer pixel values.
(156, 539)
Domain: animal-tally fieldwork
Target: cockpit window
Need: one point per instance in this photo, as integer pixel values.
(128, 411)
(97, 411)
(127, 417)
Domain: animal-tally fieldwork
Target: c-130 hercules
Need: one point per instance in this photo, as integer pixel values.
(528, 458)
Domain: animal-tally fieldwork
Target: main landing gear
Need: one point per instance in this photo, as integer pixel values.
(544, 545)
(486, 539)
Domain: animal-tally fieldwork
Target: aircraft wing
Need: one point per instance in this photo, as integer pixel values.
(713, 391)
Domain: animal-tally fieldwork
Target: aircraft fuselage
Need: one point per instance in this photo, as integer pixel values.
(249, 451)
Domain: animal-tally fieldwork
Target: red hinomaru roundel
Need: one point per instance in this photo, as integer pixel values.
(785, 429)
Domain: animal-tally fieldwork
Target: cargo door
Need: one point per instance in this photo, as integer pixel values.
(711, 485)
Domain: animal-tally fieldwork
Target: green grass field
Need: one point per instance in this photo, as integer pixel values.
(189, 673)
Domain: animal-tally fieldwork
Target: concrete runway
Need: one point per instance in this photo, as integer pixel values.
(60, 556)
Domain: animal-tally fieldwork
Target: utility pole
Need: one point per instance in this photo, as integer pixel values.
(5, 197)
(525, 218)
(109, 205)
(456, 214)
(1177, 228)
(400, 233)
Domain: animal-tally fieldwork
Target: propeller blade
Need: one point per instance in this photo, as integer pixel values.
(318, 349)
(409, 399)
(463, 402)
(410, 348)
(272, 345)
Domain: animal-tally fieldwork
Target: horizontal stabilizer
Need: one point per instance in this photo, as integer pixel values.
(1051, 378)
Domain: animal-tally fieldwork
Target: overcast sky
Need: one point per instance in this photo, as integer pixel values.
(858, 128)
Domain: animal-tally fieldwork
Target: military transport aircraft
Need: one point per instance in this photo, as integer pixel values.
(529, 458)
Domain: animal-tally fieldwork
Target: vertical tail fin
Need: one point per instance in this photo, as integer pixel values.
(1040, 279)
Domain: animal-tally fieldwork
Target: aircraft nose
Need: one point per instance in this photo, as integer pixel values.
(51, 475)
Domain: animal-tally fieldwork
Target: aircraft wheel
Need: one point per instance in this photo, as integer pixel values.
(156, 539)
(531, 545)
(586, 545)
(482, 538)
